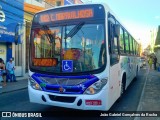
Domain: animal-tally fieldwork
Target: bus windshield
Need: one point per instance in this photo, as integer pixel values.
(78, 47)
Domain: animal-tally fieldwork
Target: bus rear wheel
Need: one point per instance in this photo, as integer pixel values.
(123, 86)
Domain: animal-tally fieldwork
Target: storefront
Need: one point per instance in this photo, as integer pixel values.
(11, 20)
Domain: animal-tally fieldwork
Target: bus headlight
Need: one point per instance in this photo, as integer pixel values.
(96, 87)
(34, 84)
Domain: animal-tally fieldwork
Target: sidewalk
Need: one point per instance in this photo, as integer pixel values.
(150, 97)
(21, 83)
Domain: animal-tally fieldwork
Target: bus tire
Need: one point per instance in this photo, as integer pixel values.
(123, 84)
(122, 87)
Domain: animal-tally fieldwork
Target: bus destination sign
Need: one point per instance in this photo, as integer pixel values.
(45, 62)
(66, 15)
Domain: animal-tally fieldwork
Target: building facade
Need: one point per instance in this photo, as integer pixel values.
(11, 21)
(157, 46)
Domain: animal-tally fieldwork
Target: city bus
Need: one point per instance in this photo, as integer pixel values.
(81, 57)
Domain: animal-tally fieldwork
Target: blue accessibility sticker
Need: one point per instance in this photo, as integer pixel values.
(67, 65)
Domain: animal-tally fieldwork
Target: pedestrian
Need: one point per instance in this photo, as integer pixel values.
(1, 78)
(10, 71)
(4, 75)
(155, 62)
(150, 62)
(13, 61)
(2, 68)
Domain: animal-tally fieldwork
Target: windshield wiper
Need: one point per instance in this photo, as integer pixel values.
(50, 37)
(74, 30)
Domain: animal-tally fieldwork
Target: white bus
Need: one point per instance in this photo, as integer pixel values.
(81, 57)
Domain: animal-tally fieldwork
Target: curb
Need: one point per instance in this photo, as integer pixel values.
(139, 104)
(20, 85)
(13, 90)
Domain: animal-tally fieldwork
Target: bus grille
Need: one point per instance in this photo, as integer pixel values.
(66, 90)
(62, 81)
(62, 98)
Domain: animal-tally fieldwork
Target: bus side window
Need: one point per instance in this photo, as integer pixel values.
(113, 43)
(122, 42)
(127, 42)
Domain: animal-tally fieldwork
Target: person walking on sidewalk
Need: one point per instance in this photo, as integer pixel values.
(4, 74)
(155, 62)
(150, 62)
(2, 69)
(10, 71)
(1, 78)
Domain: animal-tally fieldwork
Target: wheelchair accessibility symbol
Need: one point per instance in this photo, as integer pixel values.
(67, 65)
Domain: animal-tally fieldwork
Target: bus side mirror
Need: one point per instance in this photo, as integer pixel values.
(116, 30)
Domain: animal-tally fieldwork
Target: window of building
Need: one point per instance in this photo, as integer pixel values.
(18, 55)
(40, 1)
(58, 3)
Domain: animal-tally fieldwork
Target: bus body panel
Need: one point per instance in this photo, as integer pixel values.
(114, 83)
(128, 66)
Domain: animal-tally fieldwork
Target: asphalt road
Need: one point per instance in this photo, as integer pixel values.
(19, 101)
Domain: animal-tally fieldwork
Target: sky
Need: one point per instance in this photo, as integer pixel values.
(140, 17)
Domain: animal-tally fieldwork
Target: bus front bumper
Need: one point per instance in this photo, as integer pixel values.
(85, 102)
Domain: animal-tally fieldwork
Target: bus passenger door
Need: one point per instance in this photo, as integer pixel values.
(114, 62)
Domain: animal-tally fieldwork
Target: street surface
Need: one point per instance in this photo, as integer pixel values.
(19, 101)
